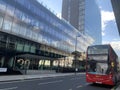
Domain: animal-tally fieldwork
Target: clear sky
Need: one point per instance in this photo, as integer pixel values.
(110, 33)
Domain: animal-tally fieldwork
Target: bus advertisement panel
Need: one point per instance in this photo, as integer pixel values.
(102, 65)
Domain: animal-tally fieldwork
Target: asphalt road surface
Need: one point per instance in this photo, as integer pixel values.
(73, 82)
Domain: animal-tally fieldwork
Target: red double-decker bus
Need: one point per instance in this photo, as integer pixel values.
(102, 65)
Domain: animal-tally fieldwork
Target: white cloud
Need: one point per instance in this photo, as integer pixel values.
(59, 15)
(106, 16)
(115, 45)
(103, 33)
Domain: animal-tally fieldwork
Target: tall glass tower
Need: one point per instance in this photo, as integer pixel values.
(85, 16)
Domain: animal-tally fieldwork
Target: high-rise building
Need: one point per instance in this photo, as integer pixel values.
(116, 9)
(85, 16)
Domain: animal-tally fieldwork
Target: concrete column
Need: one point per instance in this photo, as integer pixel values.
(14, 60)
(58, 65)
(8, 61)
(64, 61)
(26, 65)
(43, 64)
(51, 64)
(2, 60)
(11, 62)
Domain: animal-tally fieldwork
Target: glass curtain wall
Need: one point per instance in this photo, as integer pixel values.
(38, 29)
(41, 26)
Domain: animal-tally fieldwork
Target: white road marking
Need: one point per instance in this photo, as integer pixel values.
(25, 80)
(12, 88)
(79, 86)
(16, 81)
(86, 84)
(75, 78)
(82, 85)
(50, 82)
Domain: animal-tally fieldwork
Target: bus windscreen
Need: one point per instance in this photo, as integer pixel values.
(97, 66)
(98, 50)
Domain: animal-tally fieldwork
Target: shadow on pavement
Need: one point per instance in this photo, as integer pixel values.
(102, 86)
(9, 73)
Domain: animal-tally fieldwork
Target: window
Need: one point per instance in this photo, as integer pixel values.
(2, 6)
(18, 14)
(34, 35)
(21, 1)
(27, 4)
(28, 33)
(10, 10)
(25, 18)
(41, 25)
(3, 38)
(1, 20)
(98, 50)
(22, 30)
(40, 38)
(15, 28)
(7, 24)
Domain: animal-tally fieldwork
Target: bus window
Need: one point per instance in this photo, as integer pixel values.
(101, 68)
(97, 64)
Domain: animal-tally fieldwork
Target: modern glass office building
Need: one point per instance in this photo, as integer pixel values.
(85, 16)
(32, 36)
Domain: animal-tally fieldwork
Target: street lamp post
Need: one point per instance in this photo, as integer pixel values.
(76, 53)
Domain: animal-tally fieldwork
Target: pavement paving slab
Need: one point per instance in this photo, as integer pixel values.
(23, 77)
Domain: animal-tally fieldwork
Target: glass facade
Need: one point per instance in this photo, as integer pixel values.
(36, 23)
(81, 16)
(33, 37)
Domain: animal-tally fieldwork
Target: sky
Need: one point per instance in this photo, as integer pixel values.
(110, 33)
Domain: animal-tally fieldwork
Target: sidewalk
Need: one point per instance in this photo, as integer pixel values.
(118, 87)
(25, 77)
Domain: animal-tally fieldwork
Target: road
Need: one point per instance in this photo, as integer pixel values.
(73, 82)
